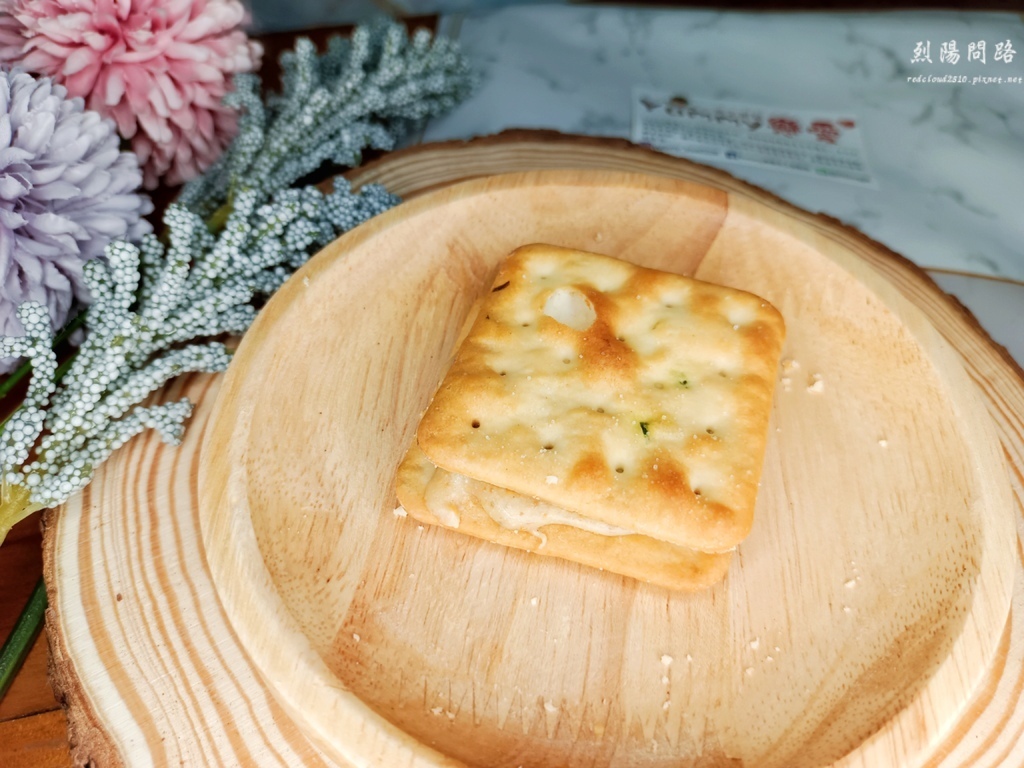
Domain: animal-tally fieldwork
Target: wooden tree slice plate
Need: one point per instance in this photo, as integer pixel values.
(864, 622)
(879, 575)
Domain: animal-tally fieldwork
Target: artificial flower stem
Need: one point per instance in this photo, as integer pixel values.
(22, 370)
(219, 218)
(15, 376)
(18, 644)
(63, 368)
(15, 505)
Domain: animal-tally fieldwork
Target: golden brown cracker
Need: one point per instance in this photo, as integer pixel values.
(437, 497)
(633, 397)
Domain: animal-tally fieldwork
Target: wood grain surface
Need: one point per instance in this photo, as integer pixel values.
(153, 671)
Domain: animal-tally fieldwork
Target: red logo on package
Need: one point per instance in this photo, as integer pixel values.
(824, 130)
(787, 126)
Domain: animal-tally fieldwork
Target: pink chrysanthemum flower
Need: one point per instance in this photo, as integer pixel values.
(159, 68)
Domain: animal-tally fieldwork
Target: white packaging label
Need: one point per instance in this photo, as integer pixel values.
(822, 144)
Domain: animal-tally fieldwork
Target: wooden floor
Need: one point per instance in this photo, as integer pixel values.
(33, 729)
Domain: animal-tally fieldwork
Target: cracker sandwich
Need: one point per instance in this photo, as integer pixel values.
(604, 413)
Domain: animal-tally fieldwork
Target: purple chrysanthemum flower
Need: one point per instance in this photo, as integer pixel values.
(66, 191)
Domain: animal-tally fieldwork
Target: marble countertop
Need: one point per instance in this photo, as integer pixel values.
(946, 158)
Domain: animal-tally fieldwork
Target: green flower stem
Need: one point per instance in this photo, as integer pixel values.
(62, 369)
(219, 218)
(15, 506)
(22, 637)
(22, 370)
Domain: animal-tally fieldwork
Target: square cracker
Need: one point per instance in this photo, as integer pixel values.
(437, 497)
(631, 396)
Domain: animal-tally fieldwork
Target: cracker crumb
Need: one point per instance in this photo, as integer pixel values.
(665, 680)
(436, 710)
(551, 480)
(534, 601)
(818, 384)
(883, 442)
(400, 511)
(305, 281)
(667, 660)
(356, 637)
(789, 365)
(550, 708)
(689, 659)
(846, 609)
(755, 643)
(666, 705)
(749, 671)
(850, 583)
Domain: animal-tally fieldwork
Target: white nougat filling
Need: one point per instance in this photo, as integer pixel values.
(529, 515)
